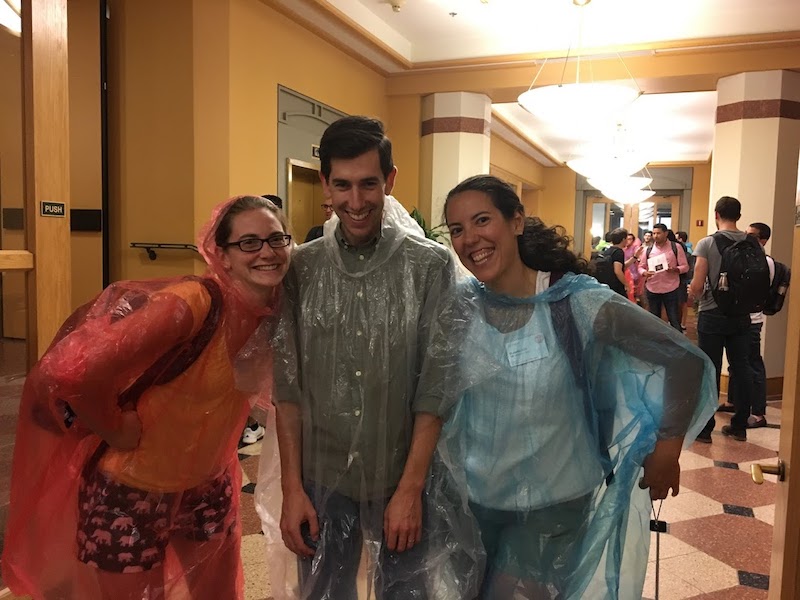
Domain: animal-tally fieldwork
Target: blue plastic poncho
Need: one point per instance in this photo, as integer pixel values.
(564, 395)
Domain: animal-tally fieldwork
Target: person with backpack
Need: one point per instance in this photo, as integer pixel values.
(661, 265)
(610, 265)
(731, 280)
(125, 479)
(573, 402)
(757, 418)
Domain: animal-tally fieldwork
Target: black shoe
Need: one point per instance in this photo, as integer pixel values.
(755, 421)
(704, 438)
(729, 408)
(739, 435)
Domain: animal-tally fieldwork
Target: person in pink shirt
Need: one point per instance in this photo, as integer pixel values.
(633, 244)
(662, 276)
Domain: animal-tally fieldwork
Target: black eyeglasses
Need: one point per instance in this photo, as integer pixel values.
(327, 206)
(255, 244)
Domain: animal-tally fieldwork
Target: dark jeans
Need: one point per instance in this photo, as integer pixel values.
(670, 301)
(716, 332)
(756, 364)
(331, 574)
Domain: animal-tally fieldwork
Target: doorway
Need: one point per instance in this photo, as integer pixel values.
(304, 198)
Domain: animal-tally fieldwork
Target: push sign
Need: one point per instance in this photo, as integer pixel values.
(53, 209)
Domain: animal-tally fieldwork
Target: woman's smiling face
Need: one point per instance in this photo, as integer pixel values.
(264, 269)
(484, 239)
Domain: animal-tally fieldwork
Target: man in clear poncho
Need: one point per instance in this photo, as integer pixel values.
(359, 395)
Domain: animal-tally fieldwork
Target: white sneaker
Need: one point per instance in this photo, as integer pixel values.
(251, 436)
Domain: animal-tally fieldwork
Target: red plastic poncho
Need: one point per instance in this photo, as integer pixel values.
(161, 520)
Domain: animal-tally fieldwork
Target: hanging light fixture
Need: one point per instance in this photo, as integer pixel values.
(581, 101)
(626, 183)
(607, 165)
(624, 196)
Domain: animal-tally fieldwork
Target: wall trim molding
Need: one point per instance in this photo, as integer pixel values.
(455, 125)
(759, 109)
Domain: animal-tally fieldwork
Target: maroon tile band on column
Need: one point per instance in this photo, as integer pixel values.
(758, 109)
(455, 125)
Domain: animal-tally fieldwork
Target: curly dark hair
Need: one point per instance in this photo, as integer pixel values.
(541, 248)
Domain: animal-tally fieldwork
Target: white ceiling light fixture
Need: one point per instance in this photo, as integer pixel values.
(581, 102)
(631, 183)
(10, 11)
(608, 165)
(628, 196)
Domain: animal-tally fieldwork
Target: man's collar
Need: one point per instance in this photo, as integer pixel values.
(348, 246)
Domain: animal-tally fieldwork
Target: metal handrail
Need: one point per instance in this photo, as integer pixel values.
(151, 247)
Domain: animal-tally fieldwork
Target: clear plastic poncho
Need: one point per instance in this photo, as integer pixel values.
(564, 395)
(360, 351)
(89, 521)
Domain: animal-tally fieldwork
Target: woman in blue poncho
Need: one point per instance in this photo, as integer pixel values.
(570, 397)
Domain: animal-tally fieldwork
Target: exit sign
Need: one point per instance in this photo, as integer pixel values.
(52, 209)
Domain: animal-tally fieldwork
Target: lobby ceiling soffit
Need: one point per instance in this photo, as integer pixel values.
(335, 27)
(511, 134)
(354, 29)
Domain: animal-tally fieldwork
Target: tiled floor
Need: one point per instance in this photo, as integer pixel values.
(720, 525)
(702, 556)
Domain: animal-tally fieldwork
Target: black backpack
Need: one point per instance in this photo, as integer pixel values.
(778, 289)
(603, 266)
(743, 283)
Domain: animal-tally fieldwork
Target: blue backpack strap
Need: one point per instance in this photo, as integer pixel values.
(568, 337)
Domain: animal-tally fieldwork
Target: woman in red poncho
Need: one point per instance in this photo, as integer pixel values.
(125, 480)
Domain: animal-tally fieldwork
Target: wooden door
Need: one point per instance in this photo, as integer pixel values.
(784, 578)
(304, 198)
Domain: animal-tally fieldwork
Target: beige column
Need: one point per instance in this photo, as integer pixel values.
(455, 145)
(756, 145)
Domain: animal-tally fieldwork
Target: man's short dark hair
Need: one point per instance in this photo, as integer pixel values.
(351, 137)
(646, 231)
(764, 230)
(276, 200)
(616, 236)
(660, 226)
(728, 208)
(682, 236)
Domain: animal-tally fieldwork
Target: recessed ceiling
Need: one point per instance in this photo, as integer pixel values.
(678, 127)
(423, 30)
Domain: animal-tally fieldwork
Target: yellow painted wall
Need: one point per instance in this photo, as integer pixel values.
(11, 178)
(507, 158)
(701, 188)
(211, 69)
(85, 144)
(151, 131)
(557, 198)
(403, 128)
(268, 49)
(530, 200)
(194, 114)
